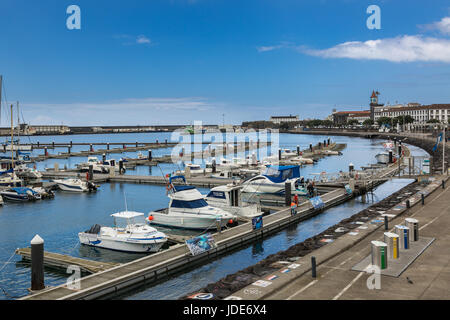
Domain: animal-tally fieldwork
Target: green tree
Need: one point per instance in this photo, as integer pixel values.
(384, 120)
(368, 122)
(433, 121)
(352, 122)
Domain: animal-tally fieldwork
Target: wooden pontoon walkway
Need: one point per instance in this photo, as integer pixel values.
(178, 258)
(63, 261)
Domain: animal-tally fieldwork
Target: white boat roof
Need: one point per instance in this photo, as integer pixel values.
(227, 187)
(127, 214)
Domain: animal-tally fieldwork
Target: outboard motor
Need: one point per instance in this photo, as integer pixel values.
(95, 229)
(91, 186)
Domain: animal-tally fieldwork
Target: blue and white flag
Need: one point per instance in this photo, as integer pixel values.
(439, 139)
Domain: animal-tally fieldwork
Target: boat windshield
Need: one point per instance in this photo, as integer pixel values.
(193, 204)
(123, 222)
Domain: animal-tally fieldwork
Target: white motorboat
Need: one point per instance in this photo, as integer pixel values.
(191, 169)
(223, 164)
(189, 210)
(288, 153)
(20, 194)
(75, 185)
(272, 180)
(97, 166)
(130, 233)
(23, 171)
(382, 158)
(229, 199)
(9, 178)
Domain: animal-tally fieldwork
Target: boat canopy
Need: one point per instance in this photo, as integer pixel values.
(22, 190)
(278, 174)
(127, 214)
(182, 188)
(177, 177)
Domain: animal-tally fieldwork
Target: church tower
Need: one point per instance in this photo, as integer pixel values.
(374, 103)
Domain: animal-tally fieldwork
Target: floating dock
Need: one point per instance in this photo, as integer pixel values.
(176, 259)
(62, 261)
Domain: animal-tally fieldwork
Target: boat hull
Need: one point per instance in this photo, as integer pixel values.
(133, 246)
(186, 221)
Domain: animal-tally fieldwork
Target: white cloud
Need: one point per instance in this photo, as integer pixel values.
(442, 26)
(278, 46)
(398, 49)
(133, 40)
(143, 40)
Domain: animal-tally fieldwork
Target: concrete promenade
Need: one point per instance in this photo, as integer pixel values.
(428, 277)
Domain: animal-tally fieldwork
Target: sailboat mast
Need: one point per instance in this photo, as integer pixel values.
(18, 120)
(12, 139)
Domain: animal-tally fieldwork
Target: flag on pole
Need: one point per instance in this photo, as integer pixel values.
(439, 139)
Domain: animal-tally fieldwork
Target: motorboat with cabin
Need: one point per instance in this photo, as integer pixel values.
(188, 209)
(23, 171)
(228, 198)
(75, 185)
(130, 233)
(97, 166)
(9, 178)
(20, 194)
(272, 180)
(382, 158)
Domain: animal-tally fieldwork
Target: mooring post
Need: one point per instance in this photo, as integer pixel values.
(386, 223)
(298, 150)
(45, 152)
(104, 157)
(391, 157)
(120, 166)
(214, 165)
(53, 144)
(409, 165)
(136, 144)
(37, 263)
(91, 148)
(325, 143)
(287, 194)
(279, 154)
(408, 204)
(310, 147)
(443, 184)
(423, 199)
(150, 157)
(70, 143)
(69, 150)
(91, 172)
(107, 146)
(165, 142)
(313, 267)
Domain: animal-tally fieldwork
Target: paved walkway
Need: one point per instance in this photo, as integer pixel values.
(428, 277)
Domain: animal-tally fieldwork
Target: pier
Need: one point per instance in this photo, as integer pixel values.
(335, 277)
(178, 258)
(62, 261)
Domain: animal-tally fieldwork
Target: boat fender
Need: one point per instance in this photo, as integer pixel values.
(150, 218)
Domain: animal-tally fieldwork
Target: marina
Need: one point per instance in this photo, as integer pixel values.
(163, 264)
(174, 152)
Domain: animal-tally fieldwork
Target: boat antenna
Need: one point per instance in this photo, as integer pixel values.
(125, 197)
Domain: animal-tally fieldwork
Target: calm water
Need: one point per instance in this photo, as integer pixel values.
(59, 220)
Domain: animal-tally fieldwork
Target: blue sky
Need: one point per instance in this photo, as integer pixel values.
(176, 61)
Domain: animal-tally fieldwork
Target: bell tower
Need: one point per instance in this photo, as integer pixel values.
(374, 103)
